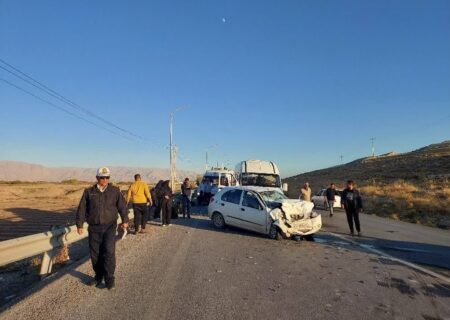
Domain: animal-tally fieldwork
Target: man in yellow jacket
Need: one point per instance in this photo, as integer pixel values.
(139, 194)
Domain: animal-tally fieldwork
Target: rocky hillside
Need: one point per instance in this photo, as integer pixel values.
(431, 162)
(14, 170)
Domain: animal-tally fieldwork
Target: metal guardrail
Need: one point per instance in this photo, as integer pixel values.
(45, 243)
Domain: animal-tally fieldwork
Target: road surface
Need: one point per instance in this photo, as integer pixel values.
(192, 271)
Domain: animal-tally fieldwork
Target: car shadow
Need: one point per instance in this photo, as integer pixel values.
(203, 223)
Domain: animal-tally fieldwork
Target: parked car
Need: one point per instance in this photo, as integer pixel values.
(264, 210)
(320, 200)
(195, 194)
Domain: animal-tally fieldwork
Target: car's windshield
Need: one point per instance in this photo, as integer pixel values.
(272, 196)
(261, 180)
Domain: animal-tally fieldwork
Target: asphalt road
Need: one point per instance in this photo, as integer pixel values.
(191, 271)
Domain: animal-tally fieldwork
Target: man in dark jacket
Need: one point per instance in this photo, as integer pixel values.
(155, 193)
(165, 199)
(331, 194)
(351, 201)
(98, 207)
(186, 197)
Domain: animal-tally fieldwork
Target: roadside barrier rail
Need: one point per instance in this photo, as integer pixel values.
(46, 243)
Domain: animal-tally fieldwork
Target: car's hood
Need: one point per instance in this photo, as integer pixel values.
(296, 208)
(295, 217)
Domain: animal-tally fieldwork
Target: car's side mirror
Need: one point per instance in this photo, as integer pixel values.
(285, 187)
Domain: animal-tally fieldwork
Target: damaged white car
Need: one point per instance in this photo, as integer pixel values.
(263, 210)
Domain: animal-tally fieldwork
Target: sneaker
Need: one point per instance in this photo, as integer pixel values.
(331, 215)
(138, 230)
(143, 231)
(169, 224)
(352, 234)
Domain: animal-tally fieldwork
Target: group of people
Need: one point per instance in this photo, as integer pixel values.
(99, 206)
(351, 201)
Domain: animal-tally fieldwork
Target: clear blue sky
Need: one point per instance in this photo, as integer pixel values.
(296, 82)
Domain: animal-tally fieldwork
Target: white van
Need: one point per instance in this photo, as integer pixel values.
(213, 181)
(259, 173)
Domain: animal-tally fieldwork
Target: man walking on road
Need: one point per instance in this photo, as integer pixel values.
(331, 198)
(305, 193)
(351, 201)
(186, 193)
(139, 194)
(98, 207)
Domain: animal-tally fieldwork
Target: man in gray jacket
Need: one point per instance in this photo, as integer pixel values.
(99, 207)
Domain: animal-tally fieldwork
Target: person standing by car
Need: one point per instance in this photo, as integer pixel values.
(139, 194)
(155, 197)
(351, 201)
(186, 194)
(98, 207)
(165, 200)
(305, 192)
(331, 194)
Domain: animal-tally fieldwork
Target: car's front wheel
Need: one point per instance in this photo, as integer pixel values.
(274, 233)
(218, 220)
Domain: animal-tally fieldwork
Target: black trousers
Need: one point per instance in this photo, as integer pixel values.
(140, 215)
(166, 211)
(353, 215)
(102, 246)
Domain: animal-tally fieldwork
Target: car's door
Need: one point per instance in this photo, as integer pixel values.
(253, 214)
(229, 206)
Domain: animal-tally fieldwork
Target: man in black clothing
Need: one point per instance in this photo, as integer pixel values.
(186, 196)
(331, 193)
(165, 200)
(98, 207)
(351, 201)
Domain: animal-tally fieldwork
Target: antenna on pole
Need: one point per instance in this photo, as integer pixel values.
(373, 147)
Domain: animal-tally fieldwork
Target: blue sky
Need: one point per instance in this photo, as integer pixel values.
(296, 82)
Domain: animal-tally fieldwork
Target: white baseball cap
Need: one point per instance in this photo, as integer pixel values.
(103, 172)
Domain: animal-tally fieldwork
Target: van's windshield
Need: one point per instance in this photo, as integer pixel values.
(261, 180)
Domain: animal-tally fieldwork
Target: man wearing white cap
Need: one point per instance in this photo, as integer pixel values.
(98, 207)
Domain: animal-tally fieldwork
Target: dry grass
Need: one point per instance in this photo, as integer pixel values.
(426, 203)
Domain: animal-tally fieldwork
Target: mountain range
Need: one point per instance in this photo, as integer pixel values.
(22, 171)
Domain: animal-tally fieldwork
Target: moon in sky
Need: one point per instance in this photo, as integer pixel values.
(224, 20)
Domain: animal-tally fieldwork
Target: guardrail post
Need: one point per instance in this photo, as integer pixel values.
(47, 263)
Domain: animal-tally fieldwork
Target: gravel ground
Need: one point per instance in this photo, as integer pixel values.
(191, 271)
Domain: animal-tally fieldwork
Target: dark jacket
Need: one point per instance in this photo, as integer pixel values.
(351, 199)
(165, 191)
(186, 189)
(101, 207)
(331, 194)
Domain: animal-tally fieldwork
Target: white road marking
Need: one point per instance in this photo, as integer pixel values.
(387, 256)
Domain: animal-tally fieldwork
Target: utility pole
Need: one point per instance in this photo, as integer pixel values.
(173, 151)
(172, 173)
(342, 157)
(206, 163)
(373, 147)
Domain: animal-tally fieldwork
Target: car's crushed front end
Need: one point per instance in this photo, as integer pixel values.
(296, 218)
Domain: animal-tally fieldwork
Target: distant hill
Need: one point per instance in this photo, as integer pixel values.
(431, 162)
(412, 186)
(15, 170)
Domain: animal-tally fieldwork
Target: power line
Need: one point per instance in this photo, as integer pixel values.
(61, 98)
(62, 109)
